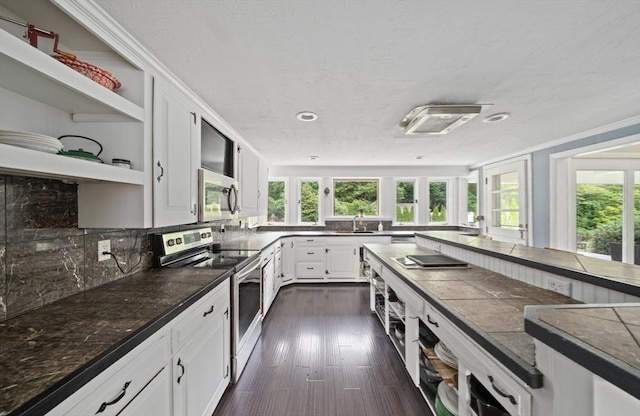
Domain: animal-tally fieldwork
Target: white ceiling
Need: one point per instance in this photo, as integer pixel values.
(559, 68)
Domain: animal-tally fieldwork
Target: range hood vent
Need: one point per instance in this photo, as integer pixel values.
(438, 119)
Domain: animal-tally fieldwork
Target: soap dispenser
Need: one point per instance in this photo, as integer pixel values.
(380, 227)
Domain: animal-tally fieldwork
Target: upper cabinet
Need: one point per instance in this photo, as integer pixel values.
(176, 127)
(248, 184)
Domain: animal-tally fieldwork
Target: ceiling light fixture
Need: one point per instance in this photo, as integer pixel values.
(313, 157)
(438, 119)
(307, 116)
(497, 117)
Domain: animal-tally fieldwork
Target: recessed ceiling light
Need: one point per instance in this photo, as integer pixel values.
(495, 118)
(313, 157)
(307, 116)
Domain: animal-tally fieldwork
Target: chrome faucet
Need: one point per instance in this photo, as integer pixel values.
(360, 214)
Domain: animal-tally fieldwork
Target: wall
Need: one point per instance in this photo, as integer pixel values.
(541, 186)
(44, 256)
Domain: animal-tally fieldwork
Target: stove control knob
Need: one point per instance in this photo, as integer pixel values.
(179, 240)
(171, 242)
(203, 235)
(208, 233)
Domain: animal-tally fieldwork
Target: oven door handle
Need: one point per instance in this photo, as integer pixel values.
(246, 271)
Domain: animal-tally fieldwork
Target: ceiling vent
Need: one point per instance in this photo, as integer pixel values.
(438, 119)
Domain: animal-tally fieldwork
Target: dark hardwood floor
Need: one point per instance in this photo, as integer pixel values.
(322, 352)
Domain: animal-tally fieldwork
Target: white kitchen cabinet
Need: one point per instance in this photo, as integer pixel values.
(263, 187)
(343, 258)
(309, 258)
(248, 183)
(155, 399)
(201, 367)
(41, 95)
(128, 382)
(277, 265)
(288, 265)
(176, 137)
(268, 268)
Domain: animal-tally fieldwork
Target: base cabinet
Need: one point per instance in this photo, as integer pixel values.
(155, 399)
(342, 260)
(201, 370)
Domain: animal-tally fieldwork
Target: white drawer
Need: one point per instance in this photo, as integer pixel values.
(198, 314)
(112, 390)
(373, 262)
(310, 270)
(310, 254)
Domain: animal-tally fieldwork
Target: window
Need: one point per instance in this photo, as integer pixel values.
(277, 202)
(507, 196)
(352, 195)
(405, 201)
(437, 201)
(472, 198)
(309, 197)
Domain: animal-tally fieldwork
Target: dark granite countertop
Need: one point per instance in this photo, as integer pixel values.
(487, 306)
(46, 354)
(618, 276)
(603, 338)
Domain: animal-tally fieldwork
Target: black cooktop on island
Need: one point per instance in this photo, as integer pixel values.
(436, 260)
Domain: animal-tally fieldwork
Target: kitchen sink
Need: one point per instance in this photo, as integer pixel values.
(363, 232)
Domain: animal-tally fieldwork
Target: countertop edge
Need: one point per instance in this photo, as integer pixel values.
(525, 372)
(609, 368)
(601, 281)
(63, 389)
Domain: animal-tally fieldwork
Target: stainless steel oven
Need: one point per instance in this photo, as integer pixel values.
(246, 314)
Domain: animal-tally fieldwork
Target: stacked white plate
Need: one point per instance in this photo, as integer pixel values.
(445, 355)
(33, 141)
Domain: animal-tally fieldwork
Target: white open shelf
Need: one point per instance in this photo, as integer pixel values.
(32, 73)
(35, 163)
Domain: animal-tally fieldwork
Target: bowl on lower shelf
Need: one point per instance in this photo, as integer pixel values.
(446, 400)
(398, 330)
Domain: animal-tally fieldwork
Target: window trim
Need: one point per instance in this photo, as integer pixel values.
(347, 179)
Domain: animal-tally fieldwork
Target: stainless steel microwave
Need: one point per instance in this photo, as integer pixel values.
(217, 196)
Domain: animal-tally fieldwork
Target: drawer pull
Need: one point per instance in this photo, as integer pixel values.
(311, 253)
(208, 312)
(182, 367)
(309, 268)
(434, 323)
(503, 394)
(104, 405)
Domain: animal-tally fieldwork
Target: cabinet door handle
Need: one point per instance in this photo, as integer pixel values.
(208, 312)
(119, 397)
(161, 172)
(226, 313)
(503, 394)
(434, 323)
(182, 367)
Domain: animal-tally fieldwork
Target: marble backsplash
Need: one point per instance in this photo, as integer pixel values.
(44, 256)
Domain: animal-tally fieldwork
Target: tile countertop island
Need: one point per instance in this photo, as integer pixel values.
(504, 315)
(46, 354)
(618, 276)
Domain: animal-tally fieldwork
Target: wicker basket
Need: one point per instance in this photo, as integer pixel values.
(97, 74)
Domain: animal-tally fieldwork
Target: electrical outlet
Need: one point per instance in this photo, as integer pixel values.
(559, 286)
(104, 245)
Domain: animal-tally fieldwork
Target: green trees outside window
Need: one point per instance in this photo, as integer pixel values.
(405, 201)
(437, 201)
(309, 201)
(350, 196)
(276, 209)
